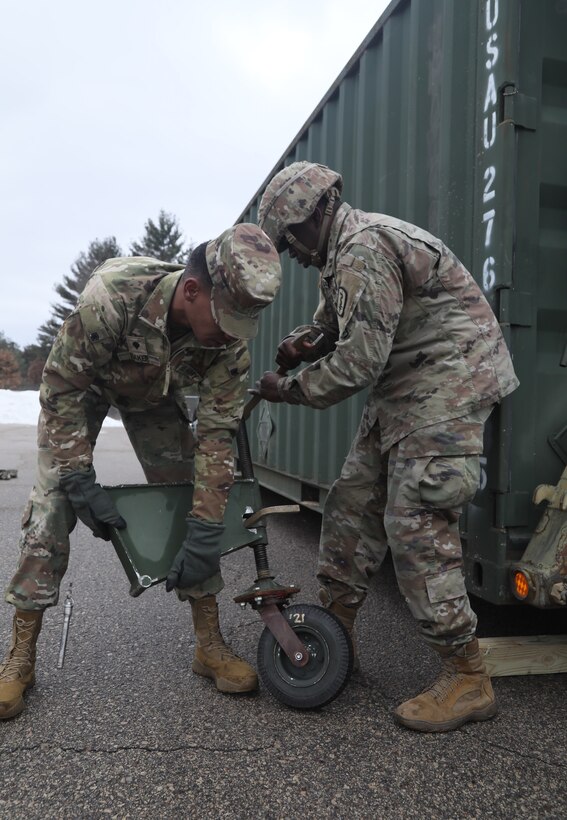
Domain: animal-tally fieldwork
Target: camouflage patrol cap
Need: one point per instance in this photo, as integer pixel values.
(246, 274)
(292, 195)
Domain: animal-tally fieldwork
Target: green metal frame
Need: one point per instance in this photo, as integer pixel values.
(156, 516)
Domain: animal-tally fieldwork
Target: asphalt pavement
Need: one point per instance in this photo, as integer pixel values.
(126, 730)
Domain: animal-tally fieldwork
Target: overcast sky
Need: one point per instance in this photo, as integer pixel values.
(112, 110)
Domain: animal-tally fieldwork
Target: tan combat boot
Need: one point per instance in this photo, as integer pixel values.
(462, 693)
(347, 616)
(17, 672)
(213, 658)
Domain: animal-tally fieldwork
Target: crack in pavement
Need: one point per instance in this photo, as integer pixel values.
(527, 755)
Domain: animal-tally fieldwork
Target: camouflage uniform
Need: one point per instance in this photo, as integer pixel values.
(113, 350)
(400, 314)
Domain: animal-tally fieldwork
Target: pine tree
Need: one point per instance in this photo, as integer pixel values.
(9, 370)
(162, 241)
(34, 373)
(13, 349)
(32, 364)
(6, 343)
(98, 252)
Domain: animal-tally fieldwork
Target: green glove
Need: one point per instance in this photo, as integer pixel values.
(91, 503)
(199, 557)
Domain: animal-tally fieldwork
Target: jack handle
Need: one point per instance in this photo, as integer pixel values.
(281, 371)
(253, 519)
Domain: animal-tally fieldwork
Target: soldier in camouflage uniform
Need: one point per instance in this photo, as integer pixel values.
(143, 335)
(398, 314)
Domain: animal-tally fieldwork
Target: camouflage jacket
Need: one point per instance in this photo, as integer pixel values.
(401, 314)
(115, 343)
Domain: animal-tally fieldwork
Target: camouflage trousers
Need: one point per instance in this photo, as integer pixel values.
(409, 499)
(164, 446)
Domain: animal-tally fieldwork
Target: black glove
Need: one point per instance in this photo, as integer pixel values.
(91, 503)
(199, 557)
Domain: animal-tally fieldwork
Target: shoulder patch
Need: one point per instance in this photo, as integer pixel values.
(341, 301)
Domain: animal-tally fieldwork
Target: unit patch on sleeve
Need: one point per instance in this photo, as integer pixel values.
(341, 301)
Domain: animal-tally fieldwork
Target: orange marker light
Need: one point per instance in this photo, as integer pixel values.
(521, 585)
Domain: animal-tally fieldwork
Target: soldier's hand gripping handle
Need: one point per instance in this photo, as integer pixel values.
(295, 348)
(91, 503)
(290, 353)
(257, 395)
(199, 556)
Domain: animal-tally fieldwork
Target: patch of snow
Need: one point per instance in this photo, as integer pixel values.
(22, 407)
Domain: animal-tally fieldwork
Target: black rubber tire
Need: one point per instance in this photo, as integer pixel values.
(329, 667)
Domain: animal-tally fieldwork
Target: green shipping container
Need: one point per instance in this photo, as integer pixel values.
(452, 115)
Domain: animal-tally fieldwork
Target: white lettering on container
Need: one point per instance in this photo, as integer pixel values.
(489, 198)
(488, 138)
(492, 50)
(488, 275)
(491, 14)
(489, 177)
(491, 98)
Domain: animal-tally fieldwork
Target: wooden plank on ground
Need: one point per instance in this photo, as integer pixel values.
(530, 655)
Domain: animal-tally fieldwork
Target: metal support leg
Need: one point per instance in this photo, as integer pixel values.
(296, 651)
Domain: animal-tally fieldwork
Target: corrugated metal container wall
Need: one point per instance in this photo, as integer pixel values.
(451, 115)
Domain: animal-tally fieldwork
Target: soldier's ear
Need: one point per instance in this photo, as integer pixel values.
(191, 289)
